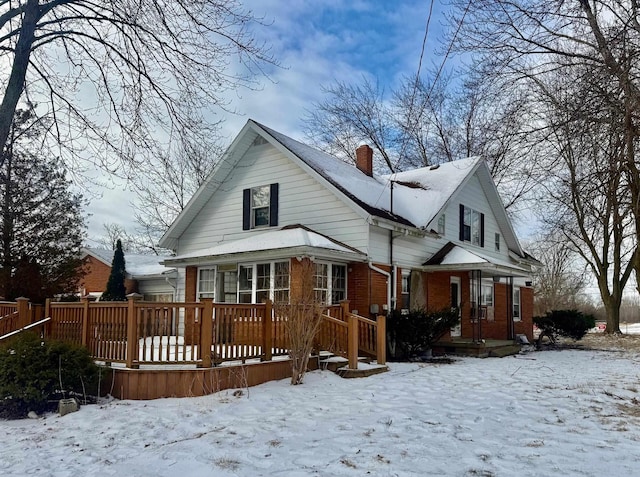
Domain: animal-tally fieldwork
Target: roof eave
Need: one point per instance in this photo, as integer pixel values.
(273, 254)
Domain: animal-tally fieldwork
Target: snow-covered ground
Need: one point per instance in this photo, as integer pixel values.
(570, 413)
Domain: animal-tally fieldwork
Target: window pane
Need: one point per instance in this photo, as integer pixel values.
(475, 227)
(260, 196)
(320, 276)
(338, 283)
(261, 217)
(263, 276)
(245, 279)
(281, 282)
(206, 282)
(441, 224)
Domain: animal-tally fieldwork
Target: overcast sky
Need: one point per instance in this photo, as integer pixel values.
(317, 42)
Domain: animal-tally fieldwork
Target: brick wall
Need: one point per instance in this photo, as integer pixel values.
(97, 276)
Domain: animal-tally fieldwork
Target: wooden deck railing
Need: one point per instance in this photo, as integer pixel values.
(140, 333)
(347, 334)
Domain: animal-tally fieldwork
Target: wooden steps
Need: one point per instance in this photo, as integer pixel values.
(339, 365)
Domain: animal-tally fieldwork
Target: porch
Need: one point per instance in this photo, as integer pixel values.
(157, 350)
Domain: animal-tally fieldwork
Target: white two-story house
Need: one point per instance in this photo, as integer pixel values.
(433, 237)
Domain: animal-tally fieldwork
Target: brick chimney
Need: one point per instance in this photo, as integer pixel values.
(364, 159)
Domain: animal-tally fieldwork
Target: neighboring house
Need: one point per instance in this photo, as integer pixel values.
(433, 237)
(144, 274)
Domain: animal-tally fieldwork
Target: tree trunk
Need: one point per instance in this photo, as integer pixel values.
(22, 53)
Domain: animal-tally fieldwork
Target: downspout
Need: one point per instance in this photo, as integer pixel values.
(391, 297)
(388, 275)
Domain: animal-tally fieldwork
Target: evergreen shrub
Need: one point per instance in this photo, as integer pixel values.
(412, 334)
(568, 323)
(34, 375)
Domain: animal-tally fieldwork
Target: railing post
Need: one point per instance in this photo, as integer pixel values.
(47, 314)
(381, 339)
(85, 317)
(24, 314)
(267, 332)
(206, 333)
(352, 346)
(132, 330)
(344, 309)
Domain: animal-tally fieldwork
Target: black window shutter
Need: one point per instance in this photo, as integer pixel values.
(246, 209)
(273, 205)
(482, 230)
(461, 223)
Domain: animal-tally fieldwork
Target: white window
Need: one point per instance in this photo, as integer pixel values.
(281, 282)
(206, 283)
(260, 200)
(441, 224)
(516, 304)
(258, 282)
(487, 294)
(497, 242)
(472, 226)
(330, 283)
(406, 289)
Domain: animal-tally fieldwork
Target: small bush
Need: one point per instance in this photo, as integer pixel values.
(569, 323)
(412, 334)
(31, 373)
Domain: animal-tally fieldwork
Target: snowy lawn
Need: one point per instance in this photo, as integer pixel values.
(569, 412)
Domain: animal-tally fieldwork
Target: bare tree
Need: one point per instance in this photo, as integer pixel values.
(428, 121)
(121, 78)
(164, 187)
(585, 195)
(352, 114)
(523, 40)
(560, 282)
(302, 318)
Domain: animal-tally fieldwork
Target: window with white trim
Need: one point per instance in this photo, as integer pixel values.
(441, 224)
(471, 226)
(258, 282)
(486, 298)
(206, 283)
(260, 206)
(516, 304)
(281, 281)
(497, 242)
(330, 282)
(405, 289)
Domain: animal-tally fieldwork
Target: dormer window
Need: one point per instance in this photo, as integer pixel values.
(471, 226)
(260, 207)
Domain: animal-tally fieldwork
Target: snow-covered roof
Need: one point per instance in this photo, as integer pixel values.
(418, 194)
(137, 265)
(290, 240)
(451, 257)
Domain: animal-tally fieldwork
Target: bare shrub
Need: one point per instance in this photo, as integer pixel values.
(302, 319)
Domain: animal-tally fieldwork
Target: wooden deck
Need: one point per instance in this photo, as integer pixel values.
(484, 349)
(152, 350)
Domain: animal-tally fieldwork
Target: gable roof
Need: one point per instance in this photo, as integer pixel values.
(136, 265)
(419, 195)
(452, 257)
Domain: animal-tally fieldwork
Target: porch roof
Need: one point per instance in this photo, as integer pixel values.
(290, 241)
(454, 257)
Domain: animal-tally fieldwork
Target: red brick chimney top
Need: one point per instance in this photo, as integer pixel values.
(364, 159)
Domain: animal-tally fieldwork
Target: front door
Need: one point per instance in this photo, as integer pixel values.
(455, 303)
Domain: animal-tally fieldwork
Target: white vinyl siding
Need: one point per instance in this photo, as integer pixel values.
(299, 197)
(474, 197)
